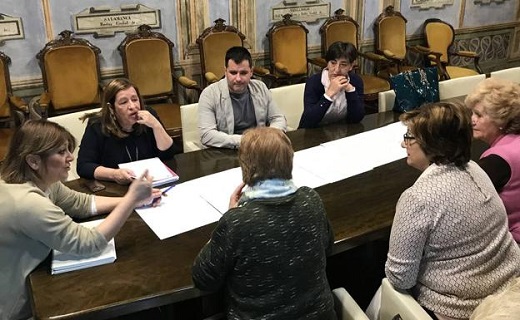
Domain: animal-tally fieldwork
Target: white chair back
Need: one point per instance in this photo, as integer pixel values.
(385, 100)
(76, 127)
(458, 86)
(346, 306)
(289, 99)
(190, 127)
(395, 302)
(512, 74)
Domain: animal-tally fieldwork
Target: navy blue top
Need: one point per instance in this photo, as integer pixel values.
(315, 105)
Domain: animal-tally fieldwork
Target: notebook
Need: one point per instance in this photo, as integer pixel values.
(65, 262)
(160, 172)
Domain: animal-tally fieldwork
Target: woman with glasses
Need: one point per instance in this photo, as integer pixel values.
(449, 243)
(336, 93)
(495, 104)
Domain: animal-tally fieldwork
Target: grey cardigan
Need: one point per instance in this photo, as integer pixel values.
(216, 120)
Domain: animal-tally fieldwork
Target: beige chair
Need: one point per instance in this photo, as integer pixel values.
(395, 302)
(72, 122)
(190, 127)
(512, 74)
(13, 110)
(71, 76)
(459, 86)
(386, 100)
(346, 306)
(289, 99)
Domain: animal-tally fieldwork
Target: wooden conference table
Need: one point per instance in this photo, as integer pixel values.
(149, 272)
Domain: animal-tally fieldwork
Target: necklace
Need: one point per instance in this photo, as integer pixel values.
(136, 153)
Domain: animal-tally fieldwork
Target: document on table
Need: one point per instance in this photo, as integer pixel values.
(65, 262)
(160, 172)
(181, 210)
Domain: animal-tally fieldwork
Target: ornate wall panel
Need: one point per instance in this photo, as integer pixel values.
(243, 17)
(192, 19)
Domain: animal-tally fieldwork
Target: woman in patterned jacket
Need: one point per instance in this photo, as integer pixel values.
(449, 244)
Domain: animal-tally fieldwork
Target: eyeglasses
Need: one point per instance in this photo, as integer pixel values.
(407, 137)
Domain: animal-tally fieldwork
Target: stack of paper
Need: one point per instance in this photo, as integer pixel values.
(160, 172)
(65, 262)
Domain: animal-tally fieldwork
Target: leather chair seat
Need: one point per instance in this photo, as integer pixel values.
(374, 84)
(459, 72)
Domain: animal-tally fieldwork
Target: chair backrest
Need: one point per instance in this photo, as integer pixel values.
(386, 100)
(512, 74)
(346, 306)
(148, 62)
(71, 72)
(458, 86)
(72, 122)
(390, 32)
(289, 99)
(394, 302)
(5, 87)
(190, 127)
(339, 27)
(213, 44)
(288, 45)
(439, 36)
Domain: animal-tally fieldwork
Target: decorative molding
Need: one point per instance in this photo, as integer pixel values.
(104, 21)
(192, 19)
(243, 17)
(481, 2)
(427, 4)
(308, 10)
(10, 28)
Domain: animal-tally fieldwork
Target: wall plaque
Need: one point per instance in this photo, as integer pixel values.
(427, 4)
(10, 28)
(105, 21)
(308, 11)
(488, 1)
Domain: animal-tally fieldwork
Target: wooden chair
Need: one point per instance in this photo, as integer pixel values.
(287, 52)
(71, 76)
(390, 41)
(13, 110)
(344, 28)
(439, 36)
(213, 44)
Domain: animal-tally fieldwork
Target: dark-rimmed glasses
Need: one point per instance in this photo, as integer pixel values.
(408, 137)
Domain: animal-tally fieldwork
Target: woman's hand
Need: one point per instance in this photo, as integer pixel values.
(140, 189)
(123, 176)
(337, 84)
(146, 118)
(235, 196)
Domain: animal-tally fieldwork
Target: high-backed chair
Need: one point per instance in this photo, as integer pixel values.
(190, 127)
(289, 99)
(390, 41)
(287, 52)
(213, 43)
(71, 76)
(72, 122)
(148, 62)
(400, 303)
(13, 109)
(512, 74)
(440, 36)
(344, 28)
(459, 86)
(346, 306)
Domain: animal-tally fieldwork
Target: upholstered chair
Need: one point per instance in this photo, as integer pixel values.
(341, 27)
(440, 36)
(13, 109)
(71, 76)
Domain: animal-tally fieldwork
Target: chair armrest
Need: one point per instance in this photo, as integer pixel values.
(469, 54)
(188, 83)
(39, 106)
(19, 104)
(320, 62)
(211, 77)
(280, 67)
(260, 71)
(389, 54)
(373, 56)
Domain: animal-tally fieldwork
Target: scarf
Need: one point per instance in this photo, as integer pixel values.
(270, 188)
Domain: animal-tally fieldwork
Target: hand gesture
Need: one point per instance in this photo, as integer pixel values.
(123, 176)
(235, 196)
(337, 84)
(146, 118)
(140, 189)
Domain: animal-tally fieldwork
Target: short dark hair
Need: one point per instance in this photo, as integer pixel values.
(443, 131)
(265, 153)
(340, 49)
(238, 54)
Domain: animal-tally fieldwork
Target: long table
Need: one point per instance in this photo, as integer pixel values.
(149, 272)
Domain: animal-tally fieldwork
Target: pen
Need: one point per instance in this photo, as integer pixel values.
(167, 189)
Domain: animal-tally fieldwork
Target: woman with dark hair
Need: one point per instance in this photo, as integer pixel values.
(495, 104)
(336, 93)
(449, 242)
(123, 131)
(36, 210)
(268, 252)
